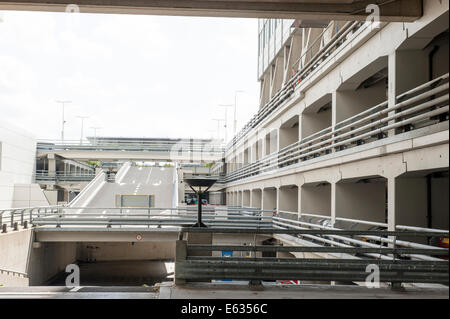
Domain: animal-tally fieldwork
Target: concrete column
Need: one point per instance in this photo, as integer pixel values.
(333, 203)
(391, 202)
(278, 198)
(51, 164)
(407, 70)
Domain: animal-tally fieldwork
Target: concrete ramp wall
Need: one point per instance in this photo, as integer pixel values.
(23, 263)
(83, 198)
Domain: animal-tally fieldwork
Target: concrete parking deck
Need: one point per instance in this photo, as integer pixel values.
(223, 291)
(242, 291)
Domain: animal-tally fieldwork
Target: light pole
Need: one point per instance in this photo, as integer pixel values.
(82, 126)
(226, 119)
(235, 101)
(63, 103)
(218, 127)
(95, 134)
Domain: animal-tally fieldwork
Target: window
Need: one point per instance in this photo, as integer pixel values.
(135, 201)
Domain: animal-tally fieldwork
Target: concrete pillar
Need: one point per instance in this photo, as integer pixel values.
(333, 203)
(51, 164)
(391, 189)
(407, 70)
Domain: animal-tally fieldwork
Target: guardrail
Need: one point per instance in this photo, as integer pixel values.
(340, 37)
(169, 146)
(67, 216)
(412, 262)
(399, 268)
(63, 176)
(425, 105)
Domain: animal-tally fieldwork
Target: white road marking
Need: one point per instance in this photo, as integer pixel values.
(149, 174)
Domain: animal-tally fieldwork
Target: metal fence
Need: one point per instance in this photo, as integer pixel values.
(425, 105)
(399, 267)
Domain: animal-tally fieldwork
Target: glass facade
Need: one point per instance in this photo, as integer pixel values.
(272, 34)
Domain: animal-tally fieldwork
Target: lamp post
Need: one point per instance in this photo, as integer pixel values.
(63, 103)
(82, 126)
(226, 106)
(235, 101)
(95, 134)
(218, 127)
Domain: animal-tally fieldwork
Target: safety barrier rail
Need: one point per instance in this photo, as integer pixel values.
(164, 146)
(42, 175)
(340, 37)
(397, 269)
(425, 105)
(61, 216)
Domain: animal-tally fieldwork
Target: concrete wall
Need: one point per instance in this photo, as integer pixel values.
(127, 251)
(316, 200)
(315, 122)
(12, 279)
(14, 250)
(411, 201)
(440, 202)
(50, 259)
(288, 198)
(246, 198)
(349, 103)
(269, 198)
(17, 163)
(366, 201)
(29, 195)
(256, 198)
(289, 132)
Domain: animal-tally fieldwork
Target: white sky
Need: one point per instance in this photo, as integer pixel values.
(137, 76)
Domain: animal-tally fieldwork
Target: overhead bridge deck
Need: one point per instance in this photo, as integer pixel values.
(394, 10)
(108, 149)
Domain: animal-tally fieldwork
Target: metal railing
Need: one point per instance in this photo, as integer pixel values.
(422, 106)
(65, 216)
(397, 268)
(413, 262)
(340, 37)
(44, 175)
(212, 147)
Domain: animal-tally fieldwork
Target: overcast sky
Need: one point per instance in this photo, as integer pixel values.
(137, 76)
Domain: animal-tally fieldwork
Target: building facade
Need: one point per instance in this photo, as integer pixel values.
(17, 167)
(352, 125)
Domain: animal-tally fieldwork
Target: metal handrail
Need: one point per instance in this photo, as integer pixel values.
(288, 87)
(334, 137)
(349, 266)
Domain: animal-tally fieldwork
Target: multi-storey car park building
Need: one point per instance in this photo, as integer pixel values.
(353, 123)
(350, 140)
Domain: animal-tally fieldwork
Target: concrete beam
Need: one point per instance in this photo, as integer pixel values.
(395, 10)
(104, 235)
